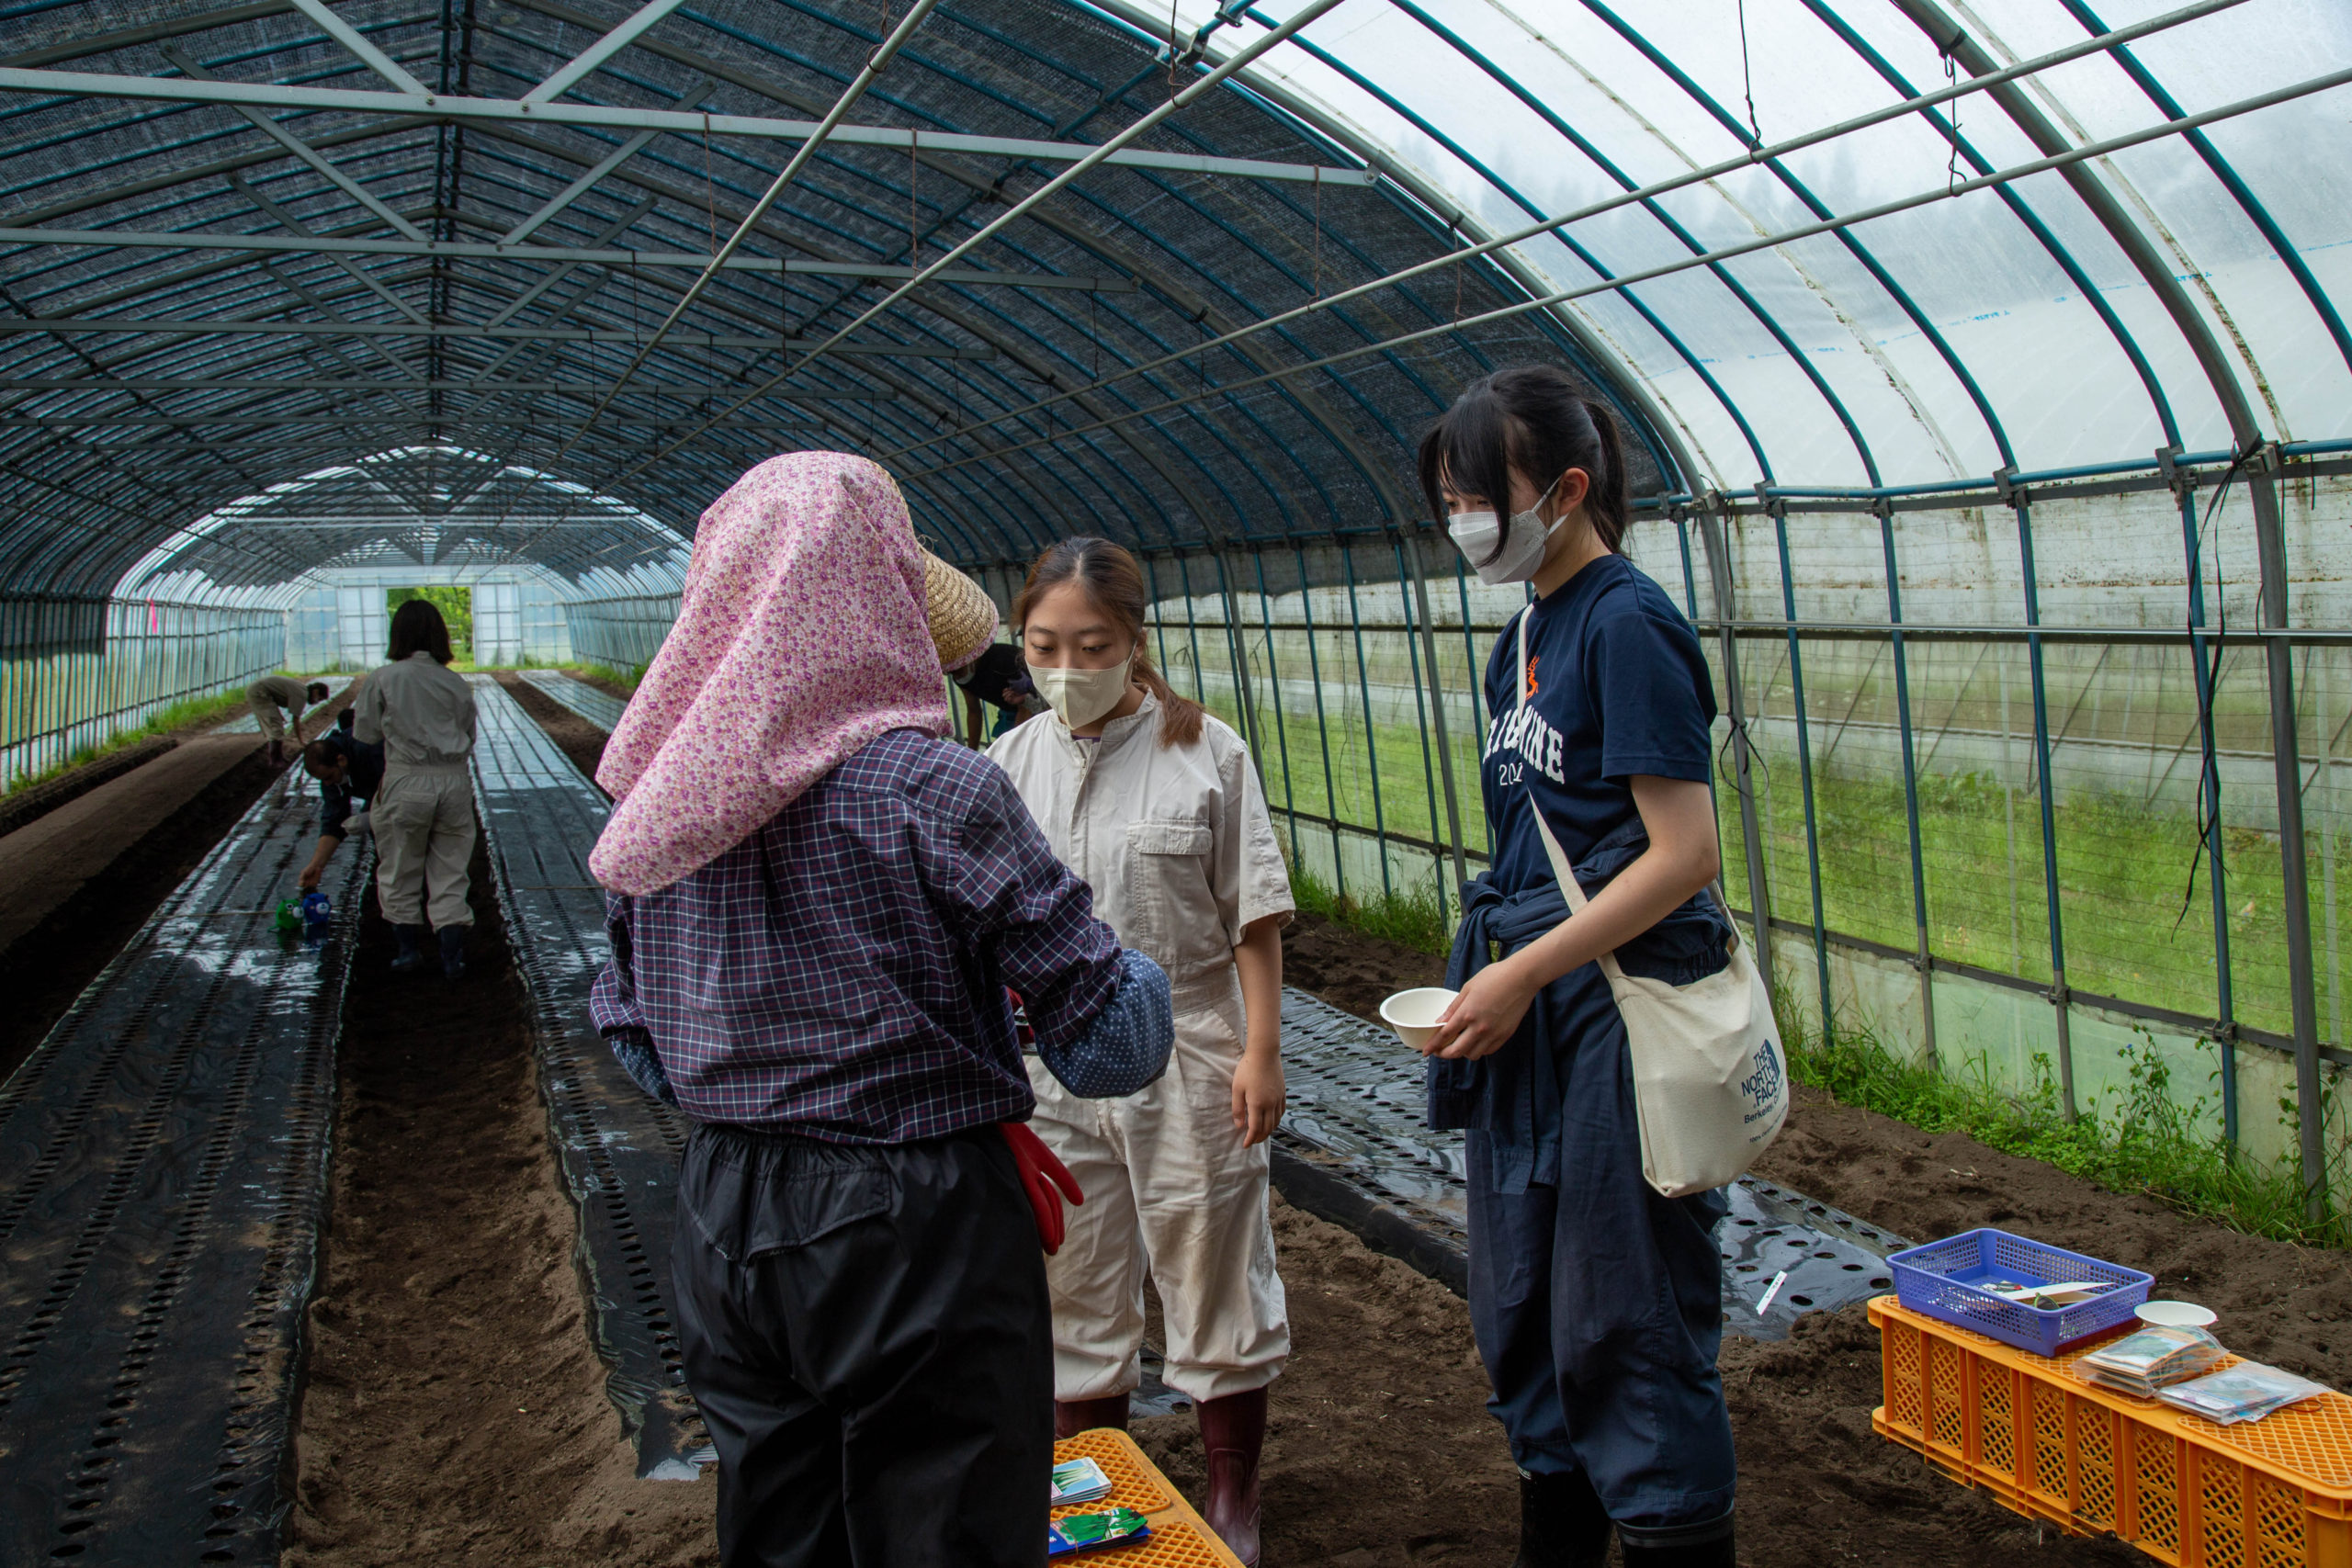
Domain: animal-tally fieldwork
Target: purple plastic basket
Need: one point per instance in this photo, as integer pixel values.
(1942, 1278)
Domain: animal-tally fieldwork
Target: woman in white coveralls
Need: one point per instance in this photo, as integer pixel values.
(1155, 804)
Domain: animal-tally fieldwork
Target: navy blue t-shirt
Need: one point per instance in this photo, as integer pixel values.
(1616, 686)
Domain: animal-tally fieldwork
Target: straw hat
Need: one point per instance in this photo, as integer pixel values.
(963, 616)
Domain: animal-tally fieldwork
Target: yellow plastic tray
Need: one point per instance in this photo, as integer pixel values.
(1180, 1538)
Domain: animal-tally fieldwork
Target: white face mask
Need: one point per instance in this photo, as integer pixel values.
(1083, 696)
(1473, 535)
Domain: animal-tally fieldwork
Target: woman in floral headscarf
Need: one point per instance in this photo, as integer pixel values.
(817, 903)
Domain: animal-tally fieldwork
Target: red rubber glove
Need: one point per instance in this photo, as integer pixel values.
(1044, 1179)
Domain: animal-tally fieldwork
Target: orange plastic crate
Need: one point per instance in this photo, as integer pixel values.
(2269, 1493)
(1178, 1539)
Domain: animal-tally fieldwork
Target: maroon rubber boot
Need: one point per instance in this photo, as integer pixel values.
(1072, 1416)
(1233, 1430)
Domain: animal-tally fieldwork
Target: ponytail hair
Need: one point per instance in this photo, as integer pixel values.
(1112, 583)
(1533, 421)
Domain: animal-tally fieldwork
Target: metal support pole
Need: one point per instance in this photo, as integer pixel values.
(2207, 669)
(1422, 713)
(1370, 744)
(2061, 1003)
(1322, 726)
(1238, 649)
(1192, 628)
(1275, 672)
(1804, 771)
(2311, 1108)
(1922, 959)
(1712, 538)
(1159, 617)
(1437, 704)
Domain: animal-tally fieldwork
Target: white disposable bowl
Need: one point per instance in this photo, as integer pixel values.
(1413, 1014)
(2176, 1315)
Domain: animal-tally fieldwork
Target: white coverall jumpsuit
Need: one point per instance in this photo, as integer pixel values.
(1177, 846)
(421, 713)
(272, 698)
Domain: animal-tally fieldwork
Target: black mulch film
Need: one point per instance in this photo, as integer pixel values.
(618, 1148)
(163, 1159)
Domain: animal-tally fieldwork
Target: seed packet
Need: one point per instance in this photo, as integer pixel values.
(1080, 1481)
(2247, 1392)
(2153, 1358)
(1085, 1532)
(2069, 1293)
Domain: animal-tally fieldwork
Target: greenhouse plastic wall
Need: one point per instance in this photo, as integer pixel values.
(73, 673)
(621, 633)
(1930, 858)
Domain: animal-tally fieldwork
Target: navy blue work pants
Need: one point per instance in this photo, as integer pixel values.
(1598, 1311)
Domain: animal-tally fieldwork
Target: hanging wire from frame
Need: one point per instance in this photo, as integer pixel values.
(1318, 230)
(709, 191)
(1453, 244)
(1171, 51)
(1748, 82)
(2208, 805)
(1951, 168)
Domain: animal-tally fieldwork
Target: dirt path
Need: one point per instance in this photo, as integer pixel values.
(455, 1413)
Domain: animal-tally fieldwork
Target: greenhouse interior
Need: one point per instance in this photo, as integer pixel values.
(1985, 389)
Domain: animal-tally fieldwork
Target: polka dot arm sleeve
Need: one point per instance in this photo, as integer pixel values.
(1126, 1045)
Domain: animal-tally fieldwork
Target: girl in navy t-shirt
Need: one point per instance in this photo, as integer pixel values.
(1598, 1304)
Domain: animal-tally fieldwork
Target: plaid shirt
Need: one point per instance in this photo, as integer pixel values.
(841, 972)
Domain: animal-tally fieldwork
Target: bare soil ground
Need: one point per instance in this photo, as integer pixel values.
(574, 736)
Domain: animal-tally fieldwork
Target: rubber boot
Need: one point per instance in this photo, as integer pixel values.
(1233, 1430)
(1072, 1416)
(278, 753)
(412, 953)
(1560, 1522)
(453, 951)
(1707, 1545)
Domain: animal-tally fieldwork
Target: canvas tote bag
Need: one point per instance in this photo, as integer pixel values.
(1709, 1084)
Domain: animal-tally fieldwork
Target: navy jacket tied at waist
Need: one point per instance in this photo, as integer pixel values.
(1515, 1096)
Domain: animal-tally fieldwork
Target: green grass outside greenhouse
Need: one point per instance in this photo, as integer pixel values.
(2133, 926)
(178, 715)
(2145, 1140)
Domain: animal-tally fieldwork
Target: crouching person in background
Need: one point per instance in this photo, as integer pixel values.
(349, 773)
(271, 698)
(817, 901)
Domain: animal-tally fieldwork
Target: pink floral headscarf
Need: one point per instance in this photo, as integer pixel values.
(800, 639)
